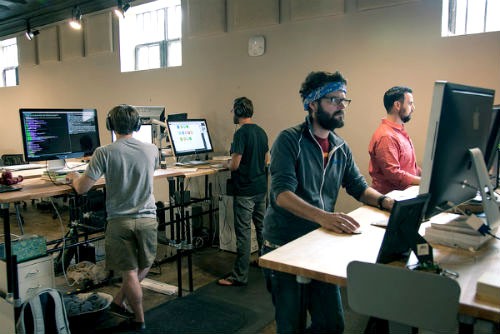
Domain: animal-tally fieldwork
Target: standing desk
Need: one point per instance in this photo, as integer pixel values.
(34, 188)
(324, 255)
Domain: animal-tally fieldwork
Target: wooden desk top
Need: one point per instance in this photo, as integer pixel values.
(323, 255)
(34, 187)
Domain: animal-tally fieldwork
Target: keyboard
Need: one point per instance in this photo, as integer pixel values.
(6, 188)
(24, 167)
(221, 158)
(193, 163)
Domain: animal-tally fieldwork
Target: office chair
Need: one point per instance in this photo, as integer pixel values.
(407, 299)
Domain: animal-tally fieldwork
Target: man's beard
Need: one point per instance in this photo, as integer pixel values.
(328, 122)
(405, 119)
(236, 120)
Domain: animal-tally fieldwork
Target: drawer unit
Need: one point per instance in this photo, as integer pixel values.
(32, 276)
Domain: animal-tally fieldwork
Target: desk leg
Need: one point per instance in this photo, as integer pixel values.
(10, 260)
(303, 282)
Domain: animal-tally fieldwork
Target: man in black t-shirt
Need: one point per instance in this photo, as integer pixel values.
(249, 157)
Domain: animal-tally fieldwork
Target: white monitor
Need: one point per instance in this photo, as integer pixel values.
(145, 134)
(189, 137)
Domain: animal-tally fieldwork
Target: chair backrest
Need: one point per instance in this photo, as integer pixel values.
(418, 299)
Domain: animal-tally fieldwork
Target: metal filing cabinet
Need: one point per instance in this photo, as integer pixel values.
(33, 275)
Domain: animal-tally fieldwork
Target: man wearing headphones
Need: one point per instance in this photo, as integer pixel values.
(130, 239)
(249, 157)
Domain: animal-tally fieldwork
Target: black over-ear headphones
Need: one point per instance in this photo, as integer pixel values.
(240, 109)
(110, 126)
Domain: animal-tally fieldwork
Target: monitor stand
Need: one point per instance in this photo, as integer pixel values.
(55, 165)
(490, 205)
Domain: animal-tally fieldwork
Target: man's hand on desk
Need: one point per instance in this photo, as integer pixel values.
(71, 176)
(338, 222)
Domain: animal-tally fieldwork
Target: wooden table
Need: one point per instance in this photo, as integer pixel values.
(324, 256)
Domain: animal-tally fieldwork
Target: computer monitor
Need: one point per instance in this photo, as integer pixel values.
(459, 126)
(58, 134)
(177, 117)
(145, 134)
(401, 236)
(147, 113)
(189, 137)
(492, 145)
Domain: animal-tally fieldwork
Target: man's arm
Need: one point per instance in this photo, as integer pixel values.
(81, 184)
(372, 197)
(234, 163)
(334, 221)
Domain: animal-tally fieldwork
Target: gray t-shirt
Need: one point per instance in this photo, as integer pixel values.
(128, 166)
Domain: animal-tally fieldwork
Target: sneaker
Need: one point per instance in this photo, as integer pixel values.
(131, 325)
(121, 311)
(230, 281)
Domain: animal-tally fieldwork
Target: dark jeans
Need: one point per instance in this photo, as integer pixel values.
(323, 303)
(247, 209)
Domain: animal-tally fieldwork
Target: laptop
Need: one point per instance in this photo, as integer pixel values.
(401, 236)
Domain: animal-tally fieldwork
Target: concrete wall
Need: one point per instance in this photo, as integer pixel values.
(375, 43)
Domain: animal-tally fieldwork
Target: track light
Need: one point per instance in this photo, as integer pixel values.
(123, 6)
(30, 34)
(76, 20)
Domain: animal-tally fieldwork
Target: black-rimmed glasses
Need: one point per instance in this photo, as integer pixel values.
(337, 101)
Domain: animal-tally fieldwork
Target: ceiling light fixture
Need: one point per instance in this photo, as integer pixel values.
(122, 7)
(76, 20)
(30, 34)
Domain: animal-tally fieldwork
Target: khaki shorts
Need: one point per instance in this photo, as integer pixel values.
(130, 243)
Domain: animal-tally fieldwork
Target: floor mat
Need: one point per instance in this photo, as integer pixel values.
(216, 309)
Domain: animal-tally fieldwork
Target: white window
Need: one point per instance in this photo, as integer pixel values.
(463, 17)
(8, 62)
(150, 36)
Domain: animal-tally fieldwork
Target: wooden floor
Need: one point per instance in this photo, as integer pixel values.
(209, 263)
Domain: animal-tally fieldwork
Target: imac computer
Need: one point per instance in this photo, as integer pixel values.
(58, 134)
(189, 137)
(453, 169)
(145, 134)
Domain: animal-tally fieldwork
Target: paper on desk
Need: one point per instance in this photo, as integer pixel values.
(400, 195)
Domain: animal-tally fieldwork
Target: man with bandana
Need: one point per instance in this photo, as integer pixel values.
(393, 164)
(309, 164)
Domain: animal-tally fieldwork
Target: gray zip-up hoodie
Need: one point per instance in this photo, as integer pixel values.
(297, 165)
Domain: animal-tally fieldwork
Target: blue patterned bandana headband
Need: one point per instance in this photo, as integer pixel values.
(322, 91)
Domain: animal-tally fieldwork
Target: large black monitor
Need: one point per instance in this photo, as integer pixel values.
(189, 137)
(459, 126)
(58, 134)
